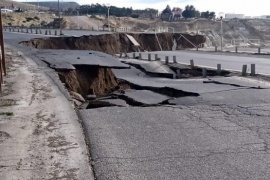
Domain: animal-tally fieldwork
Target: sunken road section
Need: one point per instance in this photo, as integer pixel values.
(118, 42)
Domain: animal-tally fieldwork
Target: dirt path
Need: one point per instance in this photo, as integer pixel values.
(40, 135)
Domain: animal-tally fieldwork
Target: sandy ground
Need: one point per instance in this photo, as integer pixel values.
(20, 19)
(115, 22)
(82, 22)
(40, 135)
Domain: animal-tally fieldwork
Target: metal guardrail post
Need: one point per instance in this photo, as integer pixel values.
(253, 69)
(244, 70)
(204, 72)
(149, 57)
(192, 64)
(156, 57)
(167, 60)
(219, 69)
(174, 59)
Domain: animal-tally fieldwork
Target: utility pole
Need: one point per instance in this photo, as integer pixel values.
(78, 14)
(109, 18)
(221, 34)
(59, 15)
(2, 58)
(221, 31)
(39, 15)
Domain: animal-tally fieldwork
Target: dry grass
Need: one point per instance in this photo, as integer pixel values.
(26, 19)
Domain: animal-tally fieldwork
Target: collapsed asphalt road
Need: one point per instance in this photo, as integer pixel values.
(220, 134)
(162, 128)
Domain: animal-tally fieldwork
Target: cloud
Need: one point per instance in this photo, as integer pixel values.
(248, 7)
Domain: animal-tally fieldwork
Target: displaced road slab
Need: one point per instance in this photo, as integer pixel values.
(239, 81)
(157, 68)
(187, 85)
(233, 62)
(144, 97)
(232, 97)
(79, 57)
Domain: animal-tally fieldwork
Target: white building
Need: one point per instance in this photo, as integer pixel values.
(265, 17)
(232, 16)
(6, 10)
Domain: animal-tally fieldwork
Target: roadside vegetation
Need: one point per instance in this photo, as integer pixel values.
(6, 113)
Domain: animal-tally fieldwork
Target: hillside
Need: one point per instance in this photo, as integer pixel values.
(24, 6)
(27, 19)
(54, 4)
(243, 32)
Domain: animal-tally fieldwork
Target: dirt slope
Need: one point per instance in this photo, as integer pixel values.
(87, 80)
(27, 19)
(234, 29)
(82, 22)
(116, 43)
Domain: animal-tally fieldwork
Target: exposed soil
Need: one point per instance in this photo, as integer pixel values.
(27, 19)
(101, 82)
(116, 43)
(87, 80)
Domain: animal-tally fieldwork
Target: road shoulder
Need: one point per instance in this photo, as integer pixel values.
(40, 134)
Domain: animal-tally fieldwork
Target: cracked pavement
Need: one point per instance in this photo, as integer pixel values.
(224, 133)
(221, 134)
(180, 142)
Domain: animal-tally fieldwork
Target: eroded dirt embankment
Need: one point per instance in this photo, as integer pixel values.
(117, 42)
(87, 80)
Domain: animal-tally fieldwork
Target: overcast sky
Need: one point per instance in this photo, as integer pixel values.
(247, 7)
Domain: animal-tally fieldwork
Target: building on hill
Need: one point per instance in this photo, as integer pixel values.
(265, 17)
(234, 16)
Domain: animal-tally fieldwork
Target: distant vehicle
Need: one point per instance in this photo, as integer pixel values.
(6, 10)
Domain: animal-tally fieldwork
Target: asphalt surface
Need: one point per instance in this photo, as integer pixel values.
(183, 142)
(137, 77)
(62, 59)
(153, 67)
(144, 97)
(229, 62)
(222, 133)
(240, 49)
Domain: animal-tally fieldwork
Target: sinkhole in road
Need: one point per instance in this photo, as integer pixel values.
(104, 89)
